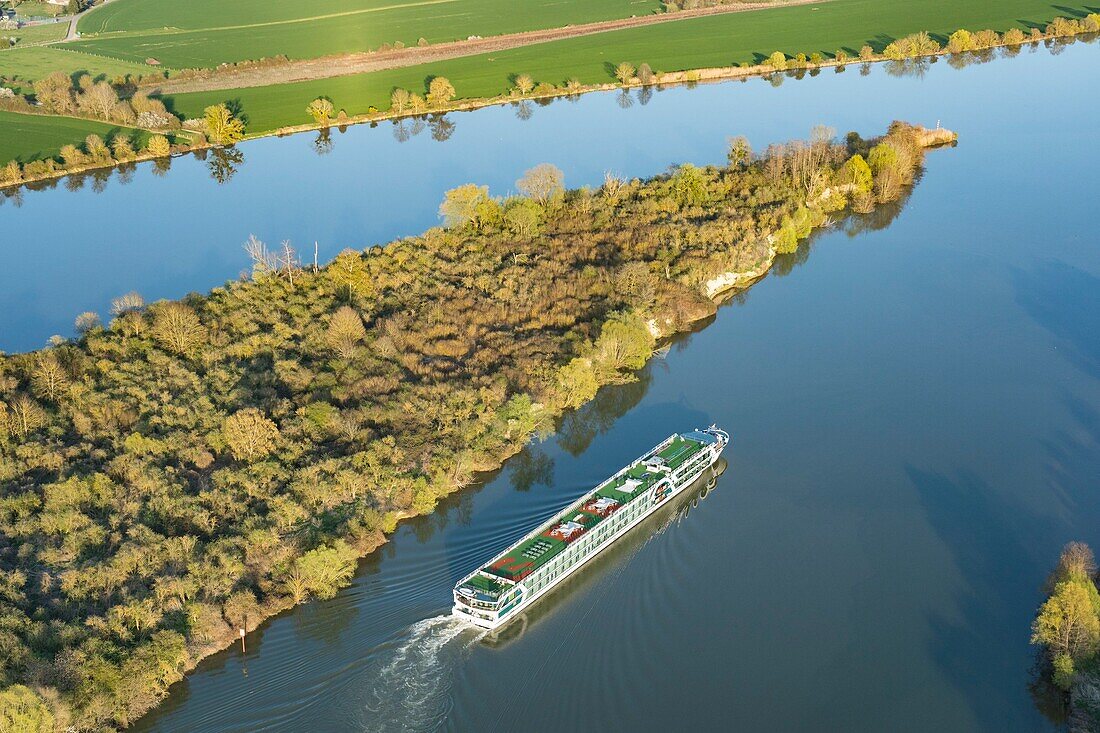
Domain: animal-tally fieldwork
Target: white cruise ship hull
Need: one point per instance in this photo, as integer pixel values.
(493, 621)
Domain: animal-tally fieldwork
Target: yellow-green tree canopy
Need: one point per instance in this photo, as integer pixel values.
(222, 128)
(177, 328)
(22, 711)
(440, 91)
(463, 205)
(249, 434)
(320, 110)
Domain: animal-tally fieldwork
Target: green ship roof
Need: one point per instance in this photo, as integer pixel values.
(538, 549)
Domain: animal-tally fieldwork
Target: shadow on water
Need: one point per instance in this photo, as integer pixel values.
(996, 548)
(1065, 301)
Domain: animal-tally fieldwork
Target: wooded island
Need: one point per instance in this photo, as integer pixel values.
(195, 466)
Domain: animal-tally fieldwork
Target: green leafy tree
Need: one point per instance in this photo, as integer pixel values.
(1068, 622)
(222, 128)
(625, 343)
(577, 383)
(855, 172)
(739, 153)
(22, 711)
(466, 204)
(777, 61)
(523, 217)
(322, 572)
(689, 185)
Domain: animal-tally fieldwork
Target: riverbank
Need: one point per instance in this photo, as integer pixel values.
(701, 48)
(358, 394)
(798, 66)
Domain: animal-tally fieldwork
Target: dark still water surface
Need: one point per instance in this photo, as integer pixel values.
(914, 403)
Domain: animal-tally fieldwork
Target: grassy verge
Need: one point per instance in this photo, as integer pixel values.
(205, 33)
(721, 40)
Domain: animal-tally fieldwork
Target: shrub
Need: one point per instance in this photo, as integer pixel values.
(960, 41)
(777, 61)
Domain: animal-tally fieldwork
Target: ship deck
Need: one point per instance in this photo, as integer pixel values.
(542, 545)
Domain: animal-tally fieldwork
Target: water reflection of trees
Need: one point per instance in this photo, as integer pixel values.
(441, 127)
(1049, 700)
(224, 163)
(853, 224)
(524, 110)
(532, 467)
(323, 144)
(915, 68)
(577, 429)
(457, 507)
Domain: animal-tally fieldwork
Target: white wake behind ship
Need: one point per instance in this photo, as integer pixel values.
(500, 590)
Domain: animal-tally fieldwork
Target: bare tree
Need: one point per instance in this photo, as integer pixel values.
(263, 260)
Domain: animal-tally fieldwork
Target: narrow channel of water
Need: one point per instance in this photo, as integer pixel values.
(914, 400)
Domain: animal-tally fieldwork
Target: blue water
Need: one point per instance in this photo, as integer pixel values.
(914, 400)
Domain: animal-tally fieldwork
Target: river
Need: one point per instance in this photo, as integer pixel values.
(914, 400)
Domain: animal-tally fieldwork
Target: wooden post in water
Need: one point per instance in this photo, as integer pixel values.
(242, 640)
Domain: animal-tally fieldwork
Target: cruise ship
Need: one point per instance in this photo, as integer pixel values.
(500, 590)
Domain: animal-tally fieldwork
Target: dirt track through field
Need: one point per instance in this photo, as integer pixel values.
(358, 63)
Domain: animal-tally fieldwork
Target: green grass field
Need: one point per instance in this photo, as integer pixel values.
(39, 33)
(24, 65)
(33, 9)
(29, 137)
(699, 42)
(204, 33)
